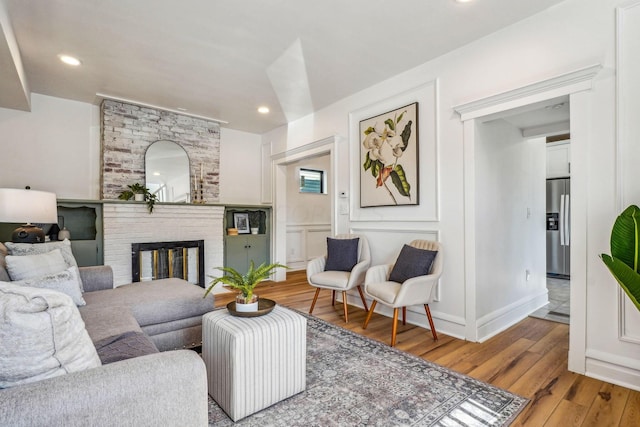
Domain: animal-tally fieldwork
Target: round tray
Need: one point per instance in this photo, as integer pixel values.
(264, 307)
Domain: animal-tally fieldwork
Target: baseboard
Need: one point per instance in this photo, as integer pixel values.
(502, 319)
(613, 369)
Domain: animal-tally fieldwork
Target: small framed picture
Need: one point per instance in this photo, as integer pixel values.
(241, 222)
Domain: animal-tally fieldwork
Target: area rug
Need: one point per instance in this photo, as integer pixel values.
(356, 381)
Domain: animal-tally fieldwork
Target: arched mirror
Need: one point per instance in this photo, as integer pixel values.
(167, 172)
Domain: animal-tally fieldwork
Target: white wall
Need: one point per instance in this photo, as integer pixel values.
(510, 218)
(240, 167)
(55, 147)
(308, 215)
(567, 37)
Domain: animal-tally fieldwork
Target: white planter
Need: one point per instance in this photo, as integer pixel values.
(242, 307)
(138, 197)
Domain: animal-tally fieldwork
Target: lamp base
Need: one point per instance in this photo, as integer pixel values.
(28, 233)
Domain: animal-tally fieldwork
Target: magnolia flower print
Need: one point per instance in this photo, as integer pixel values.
(385, 147)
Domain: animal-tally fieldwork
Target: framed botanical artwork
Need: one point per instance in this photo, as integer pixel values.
(241, 222)
(389, 158)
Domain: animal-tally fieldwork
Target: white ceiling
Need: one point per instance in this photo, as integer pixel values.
(224, 58)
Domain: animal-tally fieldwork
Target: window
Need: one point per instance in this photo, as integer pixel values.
(312, 181)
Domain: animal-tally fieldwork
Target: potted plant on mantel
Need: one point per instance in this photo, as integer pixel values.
(246, 300)
(139, 193)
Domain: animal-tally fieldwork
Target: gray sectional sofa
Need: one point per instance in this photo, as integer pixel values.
(142, 381)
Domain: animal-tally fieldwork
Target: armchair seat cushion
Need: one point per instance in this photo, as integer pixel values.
(331, 279)
(384, 292)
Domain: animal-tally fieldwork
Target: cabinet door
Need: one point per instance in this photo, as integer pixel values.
(558, 160)
(236, 253)
(257, 250)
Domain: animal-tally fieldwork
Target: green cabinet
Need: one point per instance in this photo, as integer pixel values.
(241, 249)
(84, 222)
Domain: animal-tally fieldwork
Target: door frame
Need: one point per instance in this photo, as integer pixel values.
(577, 85)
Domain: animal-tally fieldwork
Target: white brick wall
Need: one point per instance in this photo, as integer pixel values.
(126, 223)
(127, 132)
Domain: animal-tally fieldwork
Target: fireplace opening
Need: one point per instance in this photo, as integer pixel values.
(162, 260)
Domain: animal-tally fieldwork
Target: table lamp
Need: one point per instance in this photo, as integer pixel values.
(28, 206)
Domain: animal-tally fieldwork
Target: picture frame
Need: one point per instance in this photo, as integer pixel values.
(389, 162)
(241, 222)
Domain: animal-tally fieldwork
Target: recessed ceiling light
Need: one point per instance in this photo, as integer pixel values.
(263, 110)
(69, 60)
(156, 174)
(464, 1)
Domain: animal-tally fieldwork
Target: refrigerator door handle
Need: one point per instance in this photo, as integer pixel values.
(561, 220)
(567, 228)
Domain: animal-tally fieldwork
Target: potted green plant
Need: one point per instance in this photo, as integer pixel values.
(139, 193)
(624, 261)
(246, 299)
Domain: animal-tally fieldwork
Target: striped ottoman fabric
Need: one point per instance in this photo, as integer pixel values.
(254, 362)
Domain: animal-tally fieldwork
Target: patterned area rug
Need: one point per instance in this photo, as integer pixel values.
(355, 381)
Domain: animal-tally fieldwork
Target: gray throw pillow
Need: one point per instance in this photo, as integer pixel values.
(412, 262)
(64, 281)
(42, 336)
(342, 254)
(32, 266)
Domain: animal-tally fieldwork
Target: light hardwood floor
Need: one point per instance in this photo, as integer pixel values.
(529, 359)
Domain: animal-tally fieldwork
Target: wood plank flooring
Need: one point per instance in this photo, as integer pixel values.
(529, 359)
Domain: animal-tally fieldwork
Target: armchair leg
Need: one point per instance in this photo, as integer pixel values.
(394, 327)
(333, 297)
(431, 325)
(404, 315)
(344, 306)
(366, 321)
(315, 298)
(364, 302)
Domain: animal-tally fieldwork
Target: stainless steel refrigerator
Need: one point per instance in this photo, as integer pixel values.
(558, 226)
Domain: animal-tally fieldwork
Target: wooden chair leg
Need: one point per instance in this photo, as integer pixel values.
(404, 315)
(344, 306)
(364, 301)
(366, 321)
(315, 298)
(431, 325)
(394, 327)
(333, 297)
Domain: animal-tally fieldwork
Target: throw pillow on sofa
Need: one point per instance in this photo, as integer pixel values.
(42, 336)
(32, 266)
(65, 281)
(20, 249)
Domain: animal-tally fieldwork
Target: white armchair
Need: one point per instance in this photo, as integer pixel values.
(340, 280)
(416, 290)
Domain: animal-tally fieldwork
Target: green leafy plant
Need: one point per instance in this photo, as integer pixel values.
(137, 188)
(244, 283)
(624, 262)
(385, 144)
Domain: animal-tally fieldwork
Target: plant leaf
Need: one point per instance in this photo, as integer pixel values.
(406, 134)
(376, 167)
(400, 117)
(628, 279)
(400, 181)
(625, 238)
(367, 162)
(369, 130)
(390, 123)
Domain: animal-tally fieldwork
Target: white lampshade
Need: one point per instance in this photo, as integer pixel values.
(28, 206)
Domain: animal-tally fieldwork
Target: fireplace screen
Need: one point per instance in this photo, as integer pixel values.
(161, 260)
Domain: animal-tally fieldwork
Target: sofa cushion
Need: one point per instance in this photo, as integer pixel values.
(65, 281)
(155, 302)
(124, 346)
(42, 336)
(32, 266)
(20, 249)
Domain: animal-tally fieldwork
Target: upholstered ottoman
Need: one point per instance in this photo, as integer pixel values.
(254, 362)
